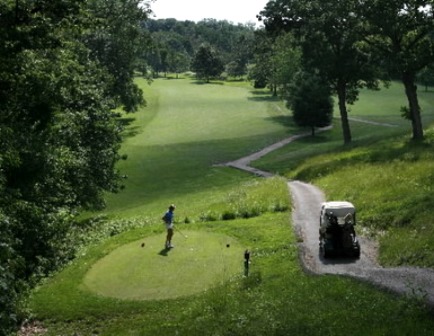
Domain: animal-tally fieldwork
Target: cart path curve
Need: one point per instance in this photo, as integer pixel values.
(307, 201)
(243, 163)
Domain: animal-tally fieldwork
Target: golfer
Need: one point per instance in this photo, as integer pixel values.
(168, 220)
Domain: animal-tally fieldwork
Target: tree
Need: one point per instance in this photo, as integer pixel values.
(235, 69)
(242, 54)
(116, 40)
(401, 32)
(261, 71)
(277, 59)
(286, 60)
(426, 76)
(206, 63)
(178, 62)
(310, 100)
(328, 35)
(233, 43)
(59, 134)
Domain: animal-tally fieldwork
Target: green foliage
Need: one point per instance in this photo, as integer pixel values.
(388, 179)
(9, 286)
(310, 100)
(116, 40)
(206, 63)
(276, 62)
(278, 297)
(400, 32)
(58, 132)
(426, 76)
(328, 34)
(262, 71)
(178, 41)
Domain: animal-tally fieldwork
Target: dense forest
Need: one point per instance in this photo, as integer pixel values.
(67, 67)
(176, 43)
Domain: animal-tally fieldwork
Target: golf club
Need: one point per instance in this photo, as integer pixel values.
(180, 232)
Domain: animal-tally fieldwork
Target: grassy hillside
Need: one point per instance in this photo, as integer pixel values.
(389, 178)
(171, 146)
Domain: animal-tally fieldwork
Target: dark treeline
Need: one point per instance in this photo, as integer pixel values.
(176, 43)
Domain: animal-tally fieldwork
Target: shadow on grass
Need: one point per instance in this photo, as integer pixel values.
(128, 130)
(164, 252)
(171, 171)
(261, 97)
(204, 82)
(286, 121)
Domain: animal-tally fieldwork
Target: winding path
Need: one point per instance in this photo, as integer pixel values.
(307, 200)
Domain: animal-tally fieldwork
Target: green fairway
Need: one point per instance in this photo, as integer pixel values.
(150, 272)
(184, 130)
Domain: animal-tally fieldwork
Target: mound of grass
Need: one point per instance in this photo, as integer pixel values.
(150, 272)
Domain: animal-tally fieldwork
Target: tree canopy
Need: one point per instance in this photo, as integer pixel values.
(401, 32)
(327, 32)
(310, 100)
(65, 65)
(181, 40)
(207, 63)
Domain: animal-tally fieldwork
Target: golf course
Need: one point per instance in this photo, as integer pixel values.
(125, 282)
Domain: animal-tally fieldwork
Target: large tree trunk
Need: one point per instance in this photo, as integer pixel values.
(413, 103)
(342, 97)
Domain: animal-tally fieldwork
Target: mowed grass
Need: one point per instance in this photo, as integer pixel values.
(173, 143)
(277, 298)
(200, 260)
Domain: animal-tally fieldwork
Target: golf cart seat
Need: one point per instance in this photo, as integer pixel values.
(337, 235)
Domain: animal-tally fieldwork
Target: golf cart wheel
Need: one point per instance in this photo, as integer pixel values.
(323, 252)
(356, 253)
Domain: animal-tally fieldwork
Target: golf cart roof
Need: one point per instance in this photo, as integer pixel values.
(339, 208)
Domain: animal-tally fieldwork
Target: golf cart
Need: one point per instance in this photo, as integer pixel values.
(336, 233)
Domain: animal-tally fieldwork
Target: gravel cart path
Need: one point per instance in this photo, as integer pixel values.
(307, 200)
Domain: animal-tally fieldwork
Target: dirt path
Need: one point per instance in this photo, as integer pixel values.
(307, 200)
